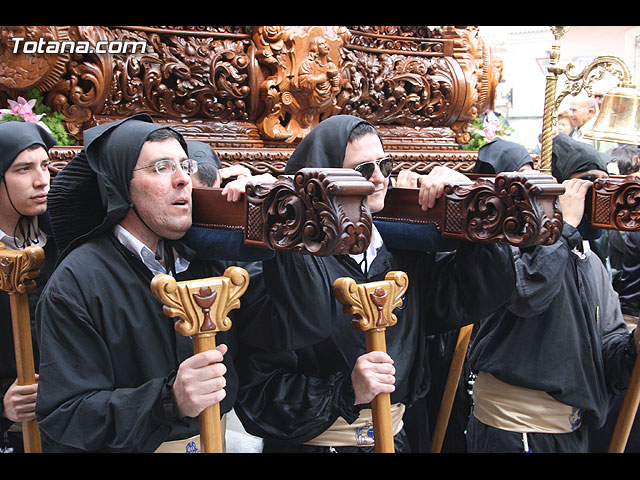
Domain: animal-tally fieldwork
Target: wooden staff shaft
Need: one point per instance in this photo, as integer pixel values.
(627, 412)
(25, 368)
(209, 418)
(451, 388)
(381, 404)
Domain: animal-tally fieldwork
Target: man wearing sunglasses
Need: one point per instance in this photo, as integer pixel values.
(306, 379)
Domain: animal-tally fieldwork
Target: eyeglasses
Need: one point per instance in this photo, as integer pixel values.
(169, 167)
(366, 169)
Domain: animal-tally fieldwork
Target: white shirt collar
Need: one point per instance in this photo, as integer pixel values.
(144, 253)
(372, 250)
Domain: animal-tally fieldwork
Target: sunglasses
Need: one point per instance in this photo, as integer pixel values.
(366, 169)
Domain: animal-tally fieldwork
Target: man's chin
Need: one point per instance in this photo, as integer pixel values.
(178, 231)
(375, 204)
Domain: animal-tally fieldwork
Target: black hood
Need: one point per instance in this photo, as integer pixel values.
(569, 156)
(203, 153)
(325, 145)
(500, 156)
(18, 136)
(91, 193)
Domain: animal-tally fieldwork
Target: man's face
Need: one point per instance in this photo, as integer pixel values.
(163, 201)
(580, 112)
(368, 148)
(27, 180)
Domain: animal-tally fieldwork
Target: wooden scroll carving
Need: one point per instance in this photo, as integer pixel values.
(372, 305)
(202, 307)
(18, 269)
(614, 203)
(316, 211)
(516, 208)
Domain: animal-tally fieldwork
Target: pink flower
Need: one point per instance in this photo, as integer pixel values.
(21, 107)
(489, 133)
(24, 109)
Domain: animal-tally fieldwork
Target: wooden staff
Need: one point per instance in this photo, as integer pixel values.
(19, 268)
(372, 305)
(202, 307)
(451, 388)
(627, 413)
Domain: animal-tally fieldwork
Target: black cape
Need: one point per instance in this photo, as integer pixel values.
(569, 156)
(107, 370)
(563, 334)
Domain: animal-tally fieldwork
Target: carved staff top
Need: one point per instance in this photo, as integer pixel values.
(201, 305)
(19, 268)
(372, 304)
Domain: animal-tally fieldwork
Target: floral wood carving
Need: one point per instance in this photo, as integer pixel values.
(280, 80)
(614, 203)
(317, 211)
(520, 209)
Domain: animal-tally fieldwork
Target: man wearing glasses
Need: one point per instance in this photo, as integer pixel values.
(119, 377)
(306, 380)
(584, 112)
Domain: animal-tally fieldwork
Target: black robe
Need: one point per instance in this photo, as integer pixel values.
(109, 355)
(295, 367)
(630, 279)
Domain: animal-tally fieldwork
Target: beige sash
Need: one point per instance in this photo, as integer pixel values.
(189, 445)
(631, 321)
(519, 409)
(359, 433)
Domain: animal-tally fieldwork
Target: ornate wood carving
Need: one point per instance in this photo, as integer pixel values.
(201, 307)
(372, 305)
(516, 208)
(18, 270)
(249, 90)
(316, 211)
(614, 203)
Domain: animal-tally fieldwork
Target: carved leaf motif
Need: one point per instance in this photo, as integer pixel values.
(194, 303)
(616, 203)
(19, 268)
(363, 301)
(516, 210)
(308, 213)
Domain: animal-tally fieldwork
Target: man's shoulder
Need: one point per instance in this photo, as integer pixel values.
(87, 257)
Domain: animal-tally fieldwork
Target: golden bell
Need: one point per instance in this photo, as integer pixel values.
(619, 117)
